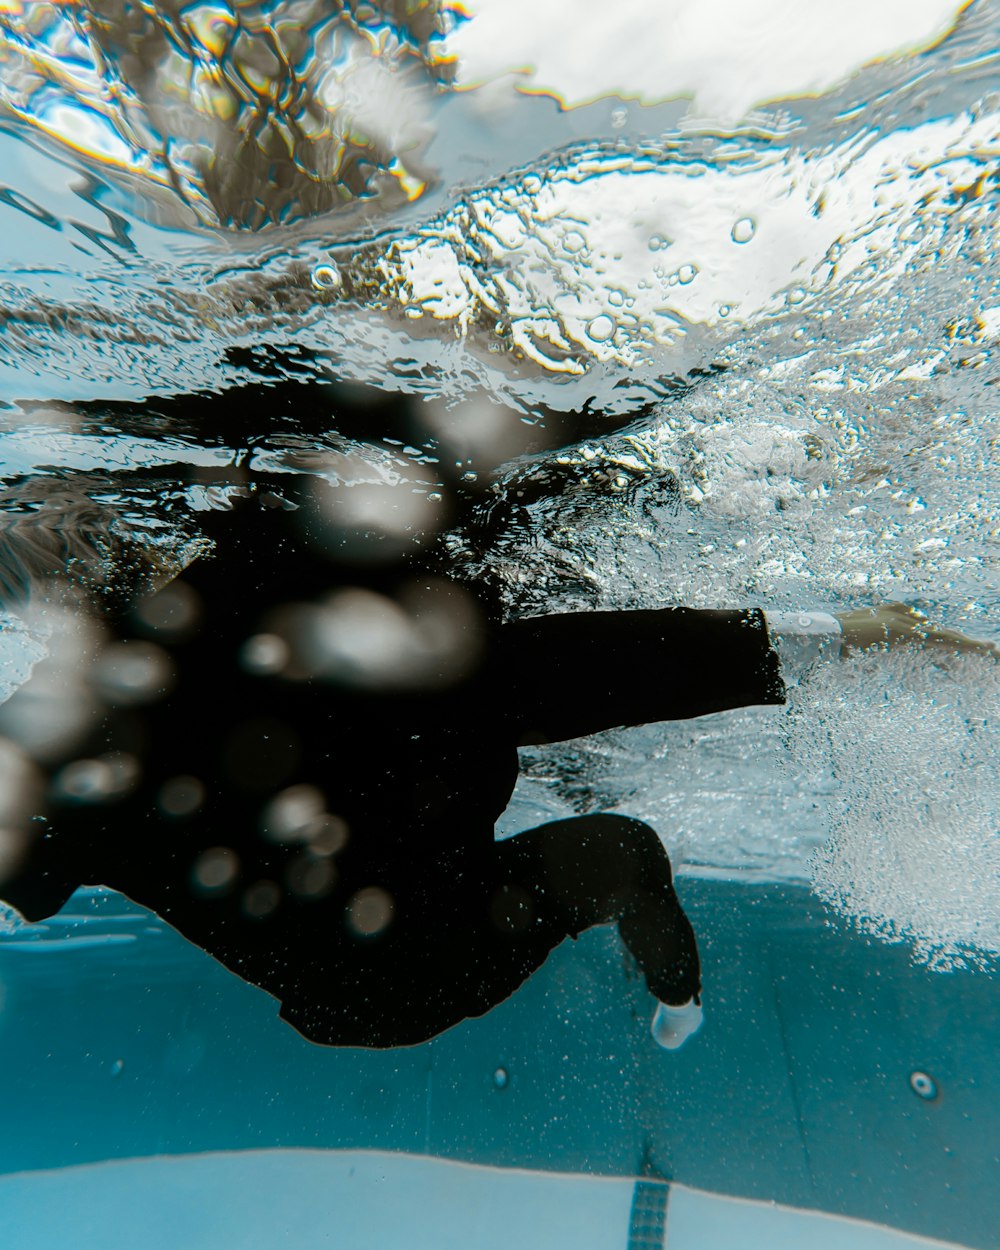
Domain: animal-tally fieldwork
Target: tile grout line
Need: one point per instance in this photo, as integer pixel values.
(647, 1224)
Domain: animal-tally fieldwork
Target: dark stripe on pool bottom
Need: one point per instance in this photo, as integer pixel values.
(647, 1223)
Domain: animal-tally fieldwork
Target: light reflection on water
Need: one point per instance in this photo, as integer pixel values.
(776, 342)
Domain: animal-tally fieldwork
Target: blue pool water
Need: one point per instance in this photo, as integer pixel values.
(711, 320)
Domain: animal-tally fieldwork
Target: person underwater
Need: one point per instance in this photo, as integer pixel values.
(297, 758)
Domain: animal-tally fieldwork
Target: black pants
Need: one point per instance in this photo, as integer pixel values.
(442, 961)
(402, 915)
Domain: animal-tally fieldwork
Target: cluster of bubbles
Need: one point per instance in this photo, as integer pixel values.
(913, 850)
(79, 672)
(426, 635)
(296, 817)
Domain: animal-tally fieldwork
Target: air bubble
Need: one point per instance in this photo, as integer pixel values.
(215, 870)
(172, 612)
(744, 230)
(724, 310)
(501, 1078)
(686, 274)
(311, 878)
(130, 673)
(573, 242)
(180, 796)
(264, 653)
(290, 814)
(923, 1086)
(97, 780)
(796, 295)
(261, 899)
(369, 911)
(657, 242)
(601, 328)
(327, 278)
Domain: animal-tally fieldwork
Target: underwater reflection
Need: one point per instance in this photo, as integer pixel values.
(254, 114)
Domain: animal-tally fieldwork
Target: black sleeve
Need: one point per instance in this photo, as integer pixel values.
(574, 674)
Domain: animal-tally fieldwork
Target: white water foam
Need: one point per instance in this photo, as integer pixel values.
(914, 821)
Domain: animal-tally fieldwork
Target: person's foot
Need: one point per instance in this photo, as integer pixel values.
(672, 1026)
(895, 624)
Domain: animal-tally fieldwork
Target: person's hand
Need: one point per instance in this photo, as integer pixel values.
(895, 624)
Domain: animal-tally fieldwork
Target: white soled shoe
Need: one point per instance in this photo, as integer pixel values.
(672, 1026)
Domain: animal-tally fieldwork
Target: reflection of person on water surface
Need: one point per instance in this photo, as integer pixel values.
(299, 764)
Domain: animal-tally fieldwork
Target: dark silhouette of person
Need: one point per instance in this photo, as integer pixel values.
(298, 763)
(296, 753)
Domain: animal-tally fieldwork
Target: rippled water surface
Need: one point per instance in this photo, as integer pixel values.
(660, 350)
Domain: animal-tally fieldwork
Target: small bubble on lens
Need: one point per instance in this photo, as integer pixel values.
(326, 834)
(261, 899)
(369, 911)
(97, 780)
(289, 814)
(310, 877)
(172, 613)
(327, 278)
(131, 673)
(372, 514)
(923, 1085)
(180, 796)
(428, 636)
(601, 328)
(743, 230)
(215, 870)
(264, 653)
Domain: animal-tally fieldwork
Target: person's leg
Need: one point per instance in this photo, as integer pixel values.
(457, 948)
(567, 876)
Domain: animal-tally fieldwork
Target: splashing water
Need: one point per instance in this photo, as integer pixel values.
(757, 334)
(914, 848)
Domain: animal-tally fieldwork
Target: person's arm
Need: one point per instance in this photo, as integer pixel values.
(576, 673)
(803, 638)
(894, 624)
(568, 675)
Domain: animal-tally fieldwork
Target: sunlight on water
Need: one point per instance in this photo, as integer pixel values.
(707, 49)
(757, 335)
